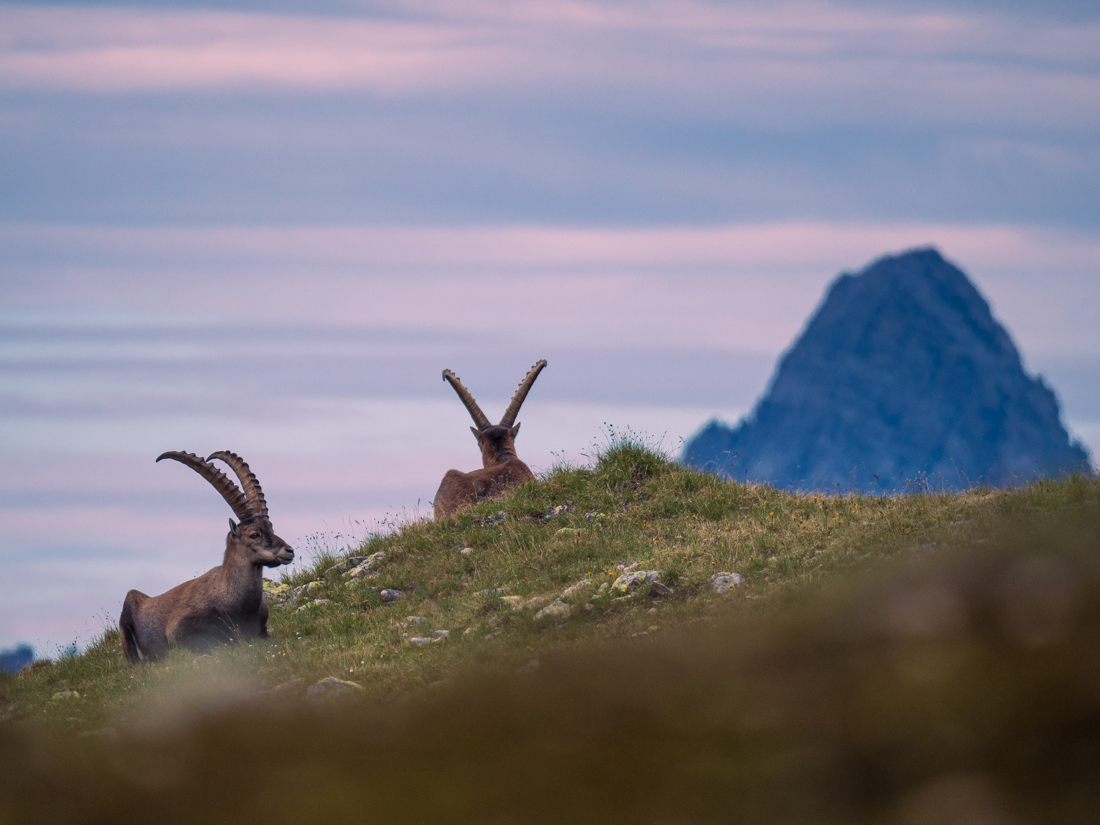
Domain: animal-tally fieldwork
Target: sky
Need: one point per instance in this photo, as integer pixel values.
(269, 226)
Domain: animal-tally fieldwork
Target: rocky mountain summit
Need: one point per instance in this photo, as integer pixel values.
(901, 377)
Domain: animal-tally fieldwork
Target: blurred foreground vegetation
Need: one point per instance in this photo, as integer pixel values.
(930, 658)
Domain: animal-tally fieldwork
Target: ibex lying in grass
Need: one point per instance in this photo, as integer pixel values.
(501, 469)
(225, 603)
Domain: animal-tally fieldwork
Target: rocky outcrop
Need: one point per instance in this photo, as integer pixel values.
(902, 377)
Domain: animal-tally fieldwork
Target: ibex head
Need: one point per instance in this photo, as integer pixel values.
(253, 536)
(497, 441)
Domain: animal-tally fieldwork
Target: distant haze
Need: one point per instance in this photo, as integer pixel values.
(247, 226)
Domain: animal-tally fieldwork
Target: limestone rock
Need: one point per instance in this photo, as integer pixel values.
(368, 566)
(658, 589)
(391, 594)
(276, 591)
(724, 581)
(630, 582)
(557, 610)
(575, 588)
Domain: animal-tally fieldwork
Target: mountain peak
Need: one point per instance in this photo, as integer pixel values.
(901, 373)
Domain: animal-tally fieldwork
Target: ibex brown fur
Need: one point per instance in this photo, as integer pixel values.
(223, 604)
(501, 469)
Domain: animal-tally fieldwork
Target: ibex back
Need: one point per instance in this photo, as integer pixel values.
(224, 604)
(501, 469)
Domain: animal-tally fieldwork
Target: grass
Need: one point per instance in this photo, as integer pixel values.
(690, 697)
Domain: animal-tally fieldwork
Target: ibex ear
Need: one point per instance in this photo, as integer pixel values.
(233, 527)
(514, 432)
(477, 433)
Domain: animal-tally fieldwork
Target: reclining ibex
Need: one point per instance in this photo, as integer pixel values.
(501, 470)
(225, 603)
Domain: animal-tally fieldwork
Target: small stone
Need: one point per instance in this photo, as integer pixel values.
(465, 551)
(594, 516)
(652, 610)
(304, 590)
(420, 640)
(391, 595)
(559, 510)
(514, 602)
(493, 591)
(535, 602)
(589, 606)
(489, 636)
(569, 591)
(314, 603)
(631, 581)
(440, 635)
(276, 591)
(658, 589)
(368, 566)
(569, 532)
(65, 696)
(626, 566)
(496, 518)
(724, 581)
(557, 610)
(603, 588)
(330, 687)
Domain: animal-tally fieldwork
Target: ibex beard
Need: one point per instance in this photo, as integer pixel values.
(225, 604)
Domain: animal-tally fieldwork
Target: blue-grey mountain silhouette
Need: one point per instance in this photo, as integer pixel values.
(16, 658)
(901, 375)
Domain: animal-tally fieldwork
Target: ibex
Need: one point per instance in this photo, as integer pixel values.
(501, 469)
(225, 603)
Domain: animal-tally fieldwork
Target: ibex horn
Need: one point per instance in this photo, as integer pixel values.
(517, 400)
(230, 492)
(249, 482)
(464, 395)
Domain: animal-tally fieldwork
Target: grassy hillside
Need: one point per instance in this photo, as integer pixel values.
(958, 648)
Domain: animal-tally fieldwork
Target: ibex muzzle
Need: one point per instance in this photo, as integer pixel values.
(501, 469)
(224, 604)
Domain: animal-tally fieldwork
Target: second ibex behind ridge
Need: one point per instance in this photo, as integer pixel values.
(501, 469)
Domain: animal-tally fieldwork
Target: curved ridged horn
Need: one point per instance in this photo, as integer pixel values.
(464, 395)
(517, 400)
(249, 482)
(230, 491)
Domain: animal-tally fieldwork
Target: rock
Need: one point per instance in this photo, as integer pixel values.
(557, 610)
(330, 687)
(658, 589)
(594, 516)
(559, 510)
(901, 378)
(581, 585)
(514, 602)
(287, 686)
(629, 582)
(465, 551)
(569, 532)
(589, 606)
(420, 640)
(368, 566)
(494, 591)
(724, 581)
(391, 594)
(440, 635)
(603, 588)
(65, 696)
(276, 591)
(314, 603)
(626, 567)
(413, 620)
(496, 518)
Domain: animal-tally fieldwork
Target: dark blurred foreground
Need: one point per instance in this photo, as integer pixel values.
(958, 688)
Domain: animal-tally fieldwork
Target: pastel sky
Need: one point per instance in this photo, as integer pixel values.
(241, 225)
